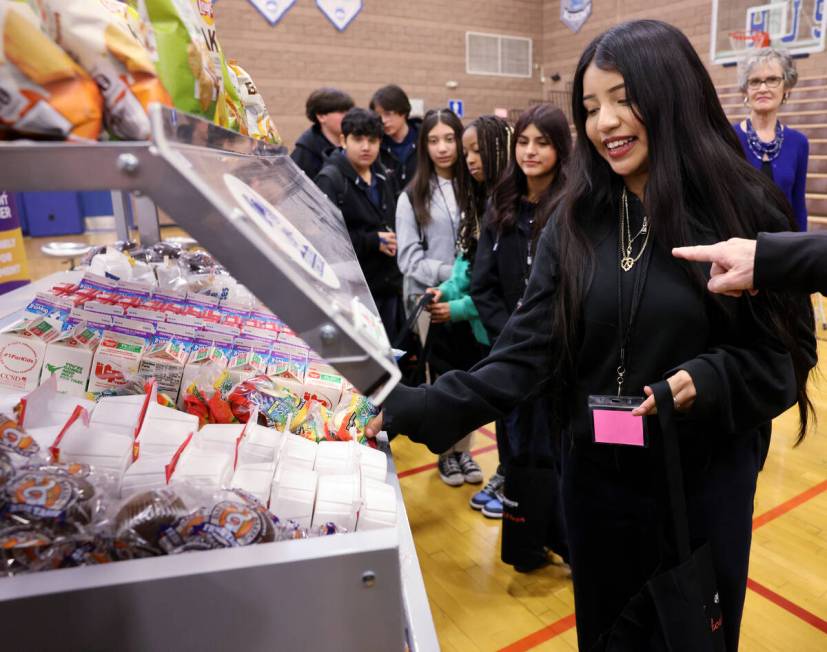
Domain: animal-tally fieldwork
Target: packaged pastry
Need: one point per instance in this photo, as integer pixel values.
(103, 37)
(43, 92)
(15, 442)
(24, 549)
(48, 498)
(189, 58)
(149, 513)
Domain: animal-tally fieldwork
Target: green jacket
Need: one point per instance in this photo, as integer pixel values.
(455, 293)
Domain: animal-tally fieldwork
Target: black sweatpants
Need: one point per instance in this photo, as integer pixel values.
(617, 529)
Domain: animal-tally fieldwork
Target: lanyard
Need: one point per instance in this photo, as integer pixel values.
(625, 331)
(455, 218)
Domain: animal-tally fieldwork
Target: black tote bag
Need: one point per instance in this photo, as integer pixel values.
(678, 610)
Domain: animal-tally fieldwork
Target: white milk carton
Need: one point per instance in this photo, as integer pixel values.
(69, 358)
(288, 365)
(22, 351)
(166, 357)
(119, 354)
(250, 358)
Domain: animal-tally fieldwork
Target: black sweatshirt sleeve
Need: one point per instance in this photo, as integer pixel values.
(307, 160)
(485, 287)
(791, 261)
(441, 414)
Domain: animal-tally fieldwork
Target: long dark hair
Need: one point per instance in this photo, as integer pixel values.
(494, 139)
(552, 123)
(696, 170)
(420, 186)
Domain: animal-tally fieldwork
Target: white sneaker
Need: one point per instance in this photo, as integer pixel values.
(449, 470)
(471, 471)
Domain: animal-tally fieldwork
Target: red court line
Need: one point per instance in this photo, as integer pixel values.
(792, 503)
(433, 465)
(807, 616)
(547, 633)
(487, 433)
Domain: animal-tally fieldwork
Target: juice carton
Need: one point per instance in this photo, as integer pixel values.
(119, 354)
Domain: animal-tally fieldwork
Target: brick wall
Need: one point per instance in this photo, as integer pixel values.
(420, 45)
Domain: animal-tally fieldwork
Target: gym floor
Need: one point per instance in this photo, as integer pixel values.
(479, 603)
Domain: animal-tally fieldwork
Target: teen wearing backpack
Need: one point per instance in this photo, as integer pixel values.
(355, 181)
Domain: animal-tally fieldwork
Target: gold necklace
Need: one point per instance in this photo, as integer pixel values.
(627, 261)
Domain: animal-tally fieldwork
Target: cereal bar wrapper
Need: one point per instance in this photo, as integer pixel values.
(312, 422)
(351, 419)
(255, 115)
(104, 36)
(189, 57)
(44, 92)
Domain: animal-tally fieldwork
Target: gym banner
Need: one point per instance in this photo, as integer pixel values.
(575, 13)
(14, 271)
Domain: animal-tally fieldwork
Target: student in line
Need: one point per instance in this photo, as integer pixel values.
(399, 144)
(520, 207)
(428, 218)
(608, 310)
(325, 108)
(354, 180)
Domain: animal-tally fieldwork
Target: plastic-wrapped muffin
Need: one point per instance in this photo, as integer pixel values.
(6, 472)
(149, 513)
(24, 549)
(50, 499)
(239, 524)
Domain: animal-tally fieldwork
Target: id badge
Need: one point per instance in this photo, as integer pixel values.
(614, 423)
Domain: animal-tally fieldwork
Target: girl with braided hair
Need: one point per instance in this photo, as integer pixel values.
(486, 150)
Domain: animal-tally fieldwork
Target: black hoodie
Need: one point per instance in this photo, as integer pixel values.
(401, 172)
(312, 148)
(364, 220)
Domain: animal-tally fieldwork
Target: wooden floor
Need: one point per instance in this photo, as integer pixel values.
(479, 603)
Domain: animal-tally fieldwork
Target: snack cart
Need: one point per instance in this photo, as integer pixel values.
(276, 233)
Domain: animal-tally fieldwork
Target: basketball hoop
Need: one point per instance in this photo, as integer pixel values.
(743, 39)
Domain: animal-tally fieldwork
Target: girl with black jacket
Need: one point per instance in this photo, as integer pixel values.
(608, 310)
(520, 207)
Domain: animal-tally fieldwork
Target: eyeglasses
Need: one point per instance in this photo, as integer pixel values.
(771, 82)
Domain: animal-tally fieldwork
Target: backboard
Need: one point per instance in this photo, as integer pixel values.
(795, 25)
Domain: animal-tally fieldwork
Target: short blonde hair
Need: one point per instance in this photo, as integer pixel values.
(766, 55)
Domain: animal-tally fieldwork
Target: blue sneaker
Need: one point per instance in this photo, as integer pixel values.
(480, 499)
(494, 507)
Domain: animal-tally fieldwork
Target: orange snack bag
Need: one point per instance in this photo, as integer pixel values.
(42, 91)
(104, 36)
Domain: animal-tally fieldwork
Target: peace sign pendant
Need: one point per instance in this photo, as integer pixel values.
(626, 263)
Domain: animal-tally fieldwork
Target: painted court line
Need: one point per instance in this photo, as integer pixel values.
(547, 633)
(788, 505)
(565, 624)
(800, 612)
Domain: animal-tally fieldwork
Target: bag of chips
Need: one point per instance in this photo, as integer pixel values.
(189, 57)
(42, 91)
(255, 116)
(102, 35)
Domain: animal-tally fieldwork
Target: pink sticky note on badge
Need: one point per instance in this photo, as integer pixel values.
(618, 427)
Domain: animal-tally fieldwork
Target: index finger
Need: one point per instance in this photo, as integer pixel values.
(697, 253)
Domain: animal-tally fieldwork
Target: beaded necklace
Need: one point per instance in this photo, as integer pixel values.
(761, 149)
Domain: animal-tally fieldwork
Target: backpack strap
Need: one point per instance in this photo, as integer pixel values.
(423, 239)
(333, 173)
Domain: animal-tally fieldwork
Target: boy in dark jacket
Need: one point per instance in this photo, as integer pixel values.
(325, 108)
(401, 132)
(355, 181)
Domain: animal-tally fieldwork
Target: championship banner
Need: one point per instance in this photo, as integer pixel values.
(14, 271)
(340, 12)
(575, 13)
(272, 10)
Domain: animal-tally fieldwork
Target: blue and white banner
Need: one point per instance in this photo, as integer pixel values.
(574, 13)
(340, 12)
(273, 10)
